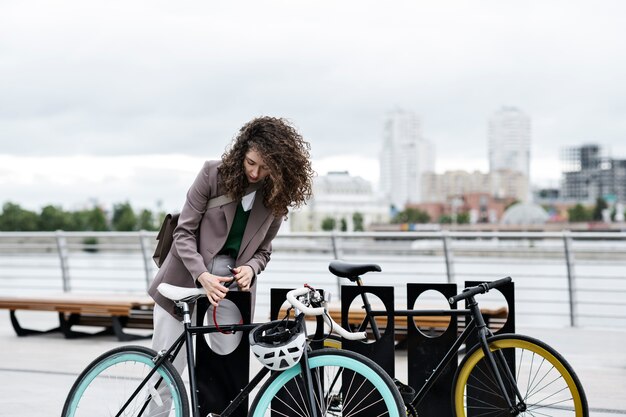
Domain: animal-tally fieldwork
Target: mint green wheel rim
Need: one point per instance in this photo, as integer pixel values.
(119, 358)
(328, 360)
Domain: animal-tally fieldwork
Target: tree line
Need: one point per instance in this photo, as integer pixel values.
(123, 218)
(580, 213)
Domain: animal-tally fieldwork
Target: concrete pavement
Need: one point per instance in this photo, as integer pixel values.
(36, 372)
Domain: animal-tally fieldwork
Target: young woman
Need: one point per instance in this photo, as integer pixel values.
(265, 171)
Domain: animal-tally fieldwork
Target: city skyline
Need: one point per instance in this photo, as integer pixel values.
(176, 171)
(123, 101)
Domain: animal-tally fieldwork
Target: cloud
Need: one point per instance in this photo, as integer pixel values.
(149, 181)
(107, 79)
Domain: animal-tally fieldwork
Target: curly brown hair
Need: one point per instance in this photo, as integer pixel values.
(285, 153)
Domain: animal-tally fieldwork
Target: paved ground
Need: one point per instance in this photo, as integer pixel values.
(36, 372)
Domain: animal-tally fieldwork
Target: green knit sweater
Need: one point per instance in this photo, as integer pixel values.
(235, 235)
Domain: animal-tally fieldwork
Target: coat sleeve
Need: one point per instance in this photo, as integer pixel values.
(262, 255)
(185, 234)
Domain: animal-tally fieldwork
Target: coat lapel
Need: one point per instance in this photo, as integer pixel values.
(257, 217)
(229, 212)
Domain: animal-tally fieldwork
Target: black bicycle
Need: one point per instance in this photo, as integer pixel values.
(502, 375)
(137, 381)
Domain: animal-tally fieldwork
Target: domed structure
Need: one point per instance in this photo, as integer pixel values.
(525, 213)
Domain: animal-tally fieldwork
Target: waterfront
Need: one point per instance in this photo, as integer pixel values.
(40, 366)
(586, 287)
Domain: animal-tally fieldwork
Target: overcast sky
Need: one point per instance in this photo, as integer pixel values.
(123, 100)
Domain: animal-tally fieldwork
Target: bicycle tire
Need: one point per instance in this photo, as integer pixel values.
(547, 382)
(106, 384)
(348, 383)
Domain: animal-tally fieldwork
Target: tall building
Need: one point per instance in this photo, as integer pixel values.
(509, 142)
(589, 174)
(405, 156)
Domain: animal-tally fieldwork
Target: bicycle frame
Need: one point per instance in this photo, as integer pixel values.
(186, 337)
(476, 325)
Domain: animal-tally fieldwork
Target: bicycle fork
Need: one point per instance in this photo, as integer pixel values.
(497, 363)
(308, 384)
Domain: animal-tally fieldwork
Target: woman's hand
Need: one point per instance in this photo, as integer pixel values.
(213, 285)
(244, 276)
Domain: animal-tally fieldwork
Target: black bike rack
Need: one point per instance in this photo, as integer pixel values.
(508, 291)
(425, 351)
(380, 351)
(212, 368)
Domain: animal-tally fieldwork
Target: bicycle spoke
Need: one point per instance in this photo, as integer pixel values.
(116, 384)
(340, 387)
(539, 377)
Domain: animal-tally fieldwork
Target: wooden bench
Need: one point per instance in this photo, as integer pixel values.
(494, 317)
(114, 312)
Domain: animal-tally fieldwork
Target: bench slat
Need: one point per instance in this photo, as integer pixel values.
(112, 311)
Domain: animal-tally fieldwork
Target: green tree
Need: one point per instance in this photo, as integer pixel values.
(411, 215)
(54, 218)
(97, 220)
(16, 219)
(328, 224)
(343, 225)
(579, 213)
(93, 220)
(124, 218)
(445, 219)
(599, 207)
(463, 218)
(146, 220)
(357, 221)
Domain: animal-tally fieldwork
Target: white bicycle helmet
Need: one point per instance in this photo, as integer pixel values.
(279, 344)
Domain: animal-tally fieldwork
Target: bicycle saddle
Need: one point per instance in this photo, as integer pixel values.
(351, 271)
(177, 294)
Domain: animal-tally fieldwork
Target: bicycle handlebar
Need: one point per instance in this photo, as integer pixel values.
(321, 311)
(479, 289)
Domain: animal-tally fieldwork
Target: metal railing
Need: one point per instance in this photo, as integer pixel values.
(562, 278)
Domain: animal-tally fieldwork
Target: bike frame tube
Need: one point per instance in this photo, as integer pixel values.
(187, 338)
(477, 323)
(154, 370)
(245, 392)
(368, 312)
(191, 366)
(452, 352)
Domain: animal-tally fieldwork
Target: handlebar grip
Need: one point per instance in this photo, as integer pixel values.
(499, 282)
(479, 289)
